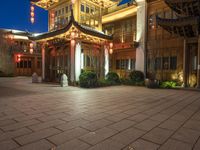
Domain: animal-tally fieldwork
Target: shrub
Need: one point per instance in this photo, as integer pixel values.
(136, 76)
(168, 84)
(88, 79)
(112, 78)
(103, 83)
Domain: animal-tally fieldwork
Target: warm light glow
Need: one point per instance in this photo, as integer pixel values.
(111, 51)
(31, 45)
(72, 42)
(32, 20)
(72, 35)
(121, 14)
(73, 1)
(31, 51)
(32, 14)
(111, 45)
(18, 58)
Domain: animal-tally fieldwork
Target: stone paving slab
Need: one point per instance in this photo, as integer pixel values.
(47, 116)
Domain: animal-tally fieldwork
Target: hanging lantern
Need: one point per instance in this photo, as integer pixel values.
(111, 51)
(31, 48)
(31, 51)
(111, 45)
(73, 1)
(18, 58)
(32, 14)
(73, 35)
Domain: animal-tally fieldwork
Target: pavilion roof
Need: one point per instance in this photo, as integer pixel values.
(185, 7)
(185, 27)
(72, 22)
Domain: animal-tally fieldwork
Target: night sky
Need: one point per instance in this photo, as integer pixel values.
(15, 14)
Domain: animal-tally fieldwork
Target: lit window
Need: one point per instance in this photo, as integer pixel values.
(82, 8)
(87, 9)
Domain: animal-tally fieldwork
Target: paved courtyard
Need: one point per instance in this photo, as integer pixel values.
(46, 116)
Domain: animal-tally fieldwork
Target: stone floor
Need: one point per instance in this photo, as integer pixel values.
(46, 116)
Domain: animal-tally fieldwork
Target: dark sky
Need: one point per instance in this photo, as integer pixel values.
(15, 14)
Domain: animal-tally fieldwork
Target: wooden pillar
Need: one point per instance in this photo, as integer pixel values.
(72, 60)
(185, 64)
(43, 62)
(198, 64)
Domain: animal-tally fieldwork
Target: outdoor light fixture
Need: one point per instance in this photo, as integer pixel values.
(18, 58)
(111, 48)
(32, 14)
(31, 48)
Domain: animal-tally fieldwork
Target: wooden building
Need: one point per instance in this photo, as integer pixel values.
(173, 45)
(88, 35)
(23, 62)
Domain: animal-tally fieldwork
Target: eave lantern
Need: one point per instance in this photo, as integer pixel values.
(111, 48)
(32, 14)
(31, 48)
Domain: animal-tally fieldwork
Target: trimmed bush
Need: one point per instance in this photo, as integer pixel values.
(112, 78)
(168, 84)
(88, 79)
(136, 76)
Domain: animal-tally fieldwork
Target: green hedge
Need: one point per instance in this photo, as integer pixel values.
(112, 78)
(88, 79)
(168, 84)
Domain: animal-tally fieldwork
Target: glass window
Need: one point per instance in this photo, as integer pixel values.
(56, 13)
(165, 63)
(118, 64)
(92, 10)
(63, 10)
(173, 62)
(82, 8)
(158, 63)
(59, 12)
(29, 64)
(87, 9)
(25, 64)
(132, 64)
(21, 64)
(66, 9)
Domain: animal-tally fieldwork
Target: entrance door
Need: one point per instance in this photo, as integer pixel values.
(58, 64)
(24, 67)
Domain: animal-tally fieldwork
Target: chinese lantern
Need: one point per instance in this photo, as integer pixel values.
(52, 15)
(18, 58)
(111, 45)
(73, 1)
(31, 48)
(32, 14)
(111, 51)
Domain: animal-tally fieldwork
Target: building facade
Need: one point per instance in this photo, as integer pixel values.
(172, 41)
(91, 35)
(20, 61)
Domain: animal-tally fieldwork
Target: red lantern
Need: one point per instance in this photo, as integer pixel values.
(32, 14)
(31, 50)
(18, 58)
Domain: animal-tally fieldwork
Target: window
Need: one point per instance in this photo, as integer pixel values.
(158, 63)
(87, 9)
(92, 10)
(132, 64)
(118, 64)
(29, 64)
(63, 10)
(66, 9)
(21, 64)
(59, 12)
(38, 64)
(165, 63)
(56, 13)
(25, 64)
(173, 62)
(82, 8)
